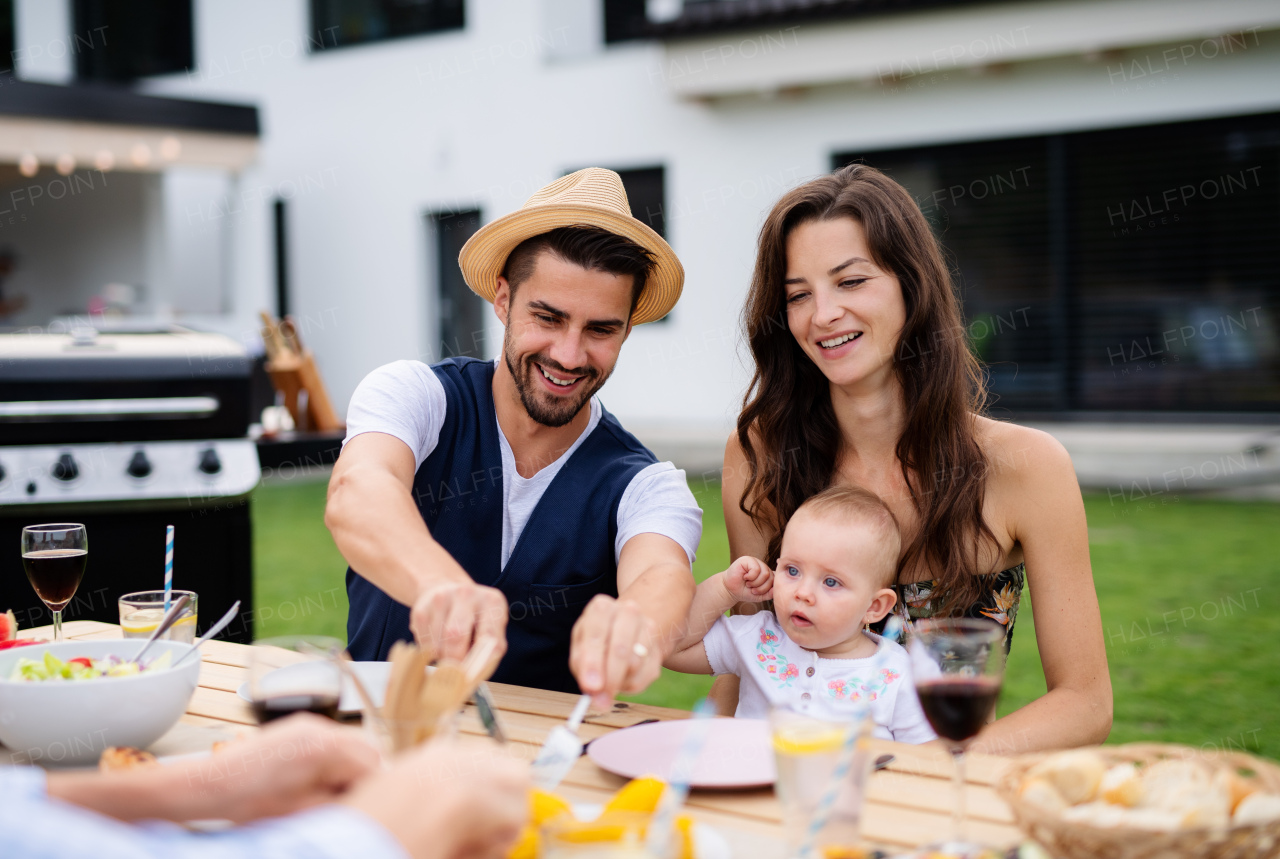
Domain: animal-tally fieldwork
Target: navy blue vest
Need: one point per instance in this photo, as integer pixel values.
(563, 558)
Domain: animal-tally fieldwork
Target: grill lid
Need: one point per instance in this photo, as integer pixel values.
(88, 355)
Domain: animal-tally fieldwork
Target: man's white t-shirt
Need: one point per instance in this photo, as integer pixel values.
(406, 400)
(775, 672)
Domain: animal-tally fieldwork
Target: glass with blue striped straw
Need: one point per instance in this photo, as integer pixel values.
(823, 769)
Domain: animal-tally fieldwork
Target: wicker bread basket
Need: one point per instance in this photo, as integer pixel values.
(1075, 840)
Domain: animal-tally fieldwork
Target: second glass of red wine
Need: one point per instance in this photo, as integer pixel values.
(958, 665)
(54, 557)
(292, 674)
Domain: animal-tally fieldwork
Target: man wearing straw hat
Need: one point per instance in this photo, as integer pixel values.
(499, 497)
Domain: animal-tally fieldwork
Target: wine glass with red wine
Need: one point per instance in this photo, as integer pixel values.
(292, 674)
(54, 557)
(958, 665)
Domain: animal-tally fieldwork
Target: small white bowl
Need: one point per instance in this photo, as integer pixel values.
(70, 722)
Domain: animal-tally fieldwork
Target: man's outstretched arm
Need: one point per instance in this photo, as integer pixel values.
(377, 527)
(655, 589)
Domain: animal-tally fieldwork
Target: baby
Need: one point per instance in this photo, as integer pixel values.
(810, 654)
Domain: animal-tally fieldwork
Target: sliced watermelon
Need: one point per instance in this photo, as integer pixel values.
(15, 642)
(8, 626)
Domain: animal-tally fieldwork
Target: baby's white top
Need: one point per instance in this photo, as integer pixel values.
(777, 672)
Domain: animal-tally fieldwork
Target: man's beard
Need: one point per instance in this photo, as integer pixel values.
(541, 407)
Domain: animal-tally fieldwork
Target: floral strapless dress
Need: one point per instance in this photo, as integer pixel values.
(1002, 593)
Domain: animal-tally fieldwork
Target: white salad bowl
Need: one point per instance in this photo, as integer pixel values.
(70, 722)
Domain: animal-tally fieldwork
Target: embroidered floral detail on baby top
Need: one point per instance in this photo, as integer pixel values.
(775, 664)
(855, 688)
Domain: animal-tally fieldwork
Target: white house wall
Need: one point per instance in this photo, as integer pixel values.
(364, 140)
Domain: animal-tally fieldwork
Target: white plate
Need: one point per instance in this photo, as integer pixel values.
(707, 842)
(374, 676)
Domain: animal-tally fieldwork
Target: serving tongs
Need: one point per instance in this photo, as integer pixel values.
(418, 704)
(170, 617)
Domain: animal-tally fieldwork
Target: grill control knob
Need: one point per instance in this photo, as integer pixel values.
(139, 466)
(65, 468)
(209, 462)
(31, 487)
(1, 473)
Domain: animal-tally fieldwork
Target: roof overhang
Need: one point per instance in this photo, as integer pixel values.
(128, 131)
(880, 48)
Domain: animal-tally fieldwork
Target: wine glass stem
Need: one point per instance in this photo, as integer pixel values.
(57, 626)
(957, 815)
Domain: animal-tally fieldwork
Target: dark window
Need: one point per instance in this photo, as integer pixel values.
(647, 196)
(340, 23)
(462, 313)
(624, 20)
(6, 36)
(1131, 269)
(120, 40)
(282, 259)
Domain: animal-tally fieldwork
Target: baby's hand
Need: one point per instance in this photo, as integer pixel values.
(749, 580)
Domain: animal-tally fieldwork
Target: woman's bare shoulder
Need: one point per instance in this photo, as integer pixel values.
(1016, 453)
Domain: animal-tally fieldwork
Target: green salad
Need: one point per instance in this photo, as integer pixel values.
(83, 668)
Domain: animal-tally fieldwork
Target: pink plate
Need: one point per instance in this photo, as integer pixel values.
(738, 753)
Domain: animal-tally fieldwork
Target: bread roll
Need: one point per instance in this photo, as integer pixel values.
(116, 758)
(1257, 808)
(1043, 794)
(1174, 784)
(1102, 814)
(1076, 774)
(1121, 785)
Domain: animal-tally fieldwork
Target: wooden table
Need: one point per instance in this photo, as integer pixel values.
(908, 804)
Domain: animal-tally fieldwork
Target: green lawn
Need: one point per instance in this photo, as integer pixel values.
(1190, 619)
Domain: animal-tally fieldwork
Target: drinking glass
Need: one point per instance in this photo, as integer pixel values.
(294, 673)
(958, 665)
(142, 611)
(54, 557)
(807, 751)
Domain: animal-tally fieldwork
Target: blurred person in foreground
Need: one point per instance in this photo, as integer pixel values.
(300, 787)
(871, 383)
(499, 497)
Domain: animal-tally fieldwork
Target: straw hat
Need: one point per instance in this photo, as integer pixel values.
(593, 197)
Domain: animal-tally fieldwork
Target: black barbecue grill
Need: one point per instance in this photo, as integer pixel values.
(128, 433)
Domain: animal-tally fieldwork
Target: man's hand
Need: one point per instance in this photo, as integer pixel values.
(449, 615)
(614, 649)
(449, 799)
(749, 579)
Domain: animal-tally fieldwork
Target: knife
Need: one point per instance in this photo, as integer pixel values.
(561, 750)
(488, 712)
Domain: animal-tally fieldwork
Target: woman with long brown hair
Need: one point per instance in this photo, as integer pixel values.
(863, 376)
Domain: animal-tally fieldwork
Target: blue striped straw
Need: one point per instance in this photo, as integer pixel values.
(822, 814)
(678, 780)
(168, 566)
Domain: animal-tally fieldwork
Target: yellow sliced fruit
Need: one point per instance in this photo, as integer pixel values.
(526, 846)
(807, 740)
(591, 832)
(684, 827)
(146, 626)
(544, 805)
(640, 794)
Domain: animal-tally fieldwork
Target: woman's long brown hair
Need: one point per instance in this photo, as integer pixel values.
(788, 428)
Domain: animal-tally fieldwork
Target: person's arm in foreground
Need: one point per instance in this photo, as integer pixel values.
(747, 580)
(1049, 522)
(294, 764)
(655, 588)
(478, 801)
(377, 527)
